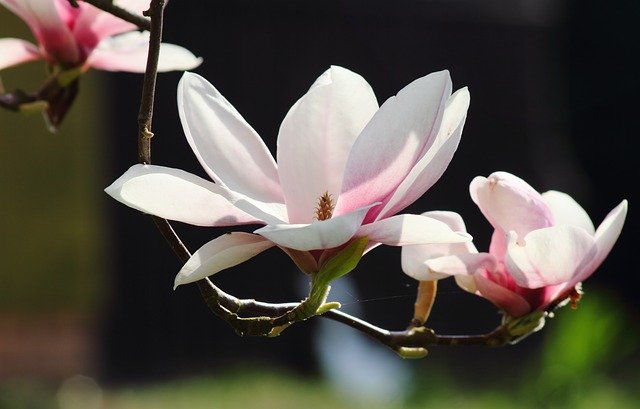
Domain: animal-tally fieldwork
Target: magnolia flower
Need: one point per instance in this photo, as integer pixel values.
(344, 168)
(543, 246)
(83, 37)
(71, 40)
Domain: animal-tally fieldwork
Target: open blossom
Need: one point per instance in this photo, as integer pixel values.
(542, 247)
(86, 37)
(344, 169)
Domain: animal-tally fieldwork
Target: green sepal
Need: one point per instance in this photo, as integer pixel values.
(520, 328)
(342, 263)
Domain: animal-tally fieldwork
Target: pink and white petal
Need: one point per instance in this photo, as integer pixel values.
(228, 148)
(128, 52)
(605, 237)
(509, 203)
(498, 244)
(14, 51)
(505, 299)
(433, 164)
(565, 210)
(411, 229)
(316, 137)
(550, 256)
(51, 32)
(323, 234)
(176, 195)
(223, 252)
(455, 222)
(421, 266)
(93, 24)
(396, 138)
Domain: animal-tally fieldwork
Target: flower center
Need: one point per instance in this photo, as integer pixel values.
(324, 209)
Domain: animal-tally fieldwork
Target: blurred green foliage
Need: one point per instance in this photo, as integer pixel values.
(51, 240)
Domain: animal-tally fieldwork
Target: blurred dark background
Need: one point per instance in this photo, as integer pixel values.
(553, 86)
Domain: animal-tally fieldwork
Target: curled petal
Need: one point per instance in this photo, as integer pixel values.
(128, 52)
(323, 234)
(230, 151)
(565, 210)
(223, 252)
(509, 203)
(550, 256)
(398, 135)
(411, 229)
(14, 51)
(316, 137)
(176, 195)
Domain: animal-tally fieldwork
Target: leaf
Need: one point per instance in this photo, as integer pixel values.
(342, 263)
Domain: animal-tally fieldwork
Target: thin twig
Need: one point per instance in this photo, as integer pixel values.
(108, 6)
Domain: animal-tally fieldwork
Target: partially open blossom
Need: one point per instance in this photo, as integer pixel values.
(542, 247)
(344, 169)
(85, 37)
(71, 40)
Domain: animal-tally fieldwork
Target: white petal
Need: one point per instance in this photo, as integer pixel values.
(223, 252)
(606, 236)
(424, 266)
(565, 210)
(411, 229)
(176, 195)
(397, 137)
(14, 51)
(128, 52)
(550, 256)
(228, 148)
(316, 137)
(510, 203)
(433, 164)
(318, 235)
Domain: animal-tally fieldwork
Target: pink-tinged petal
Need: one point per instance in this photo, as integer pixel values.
(228, 148)
(565, 210)
(509, 203)
(323, 234)
(316, 137)
(422, 266)
(128, 52)
(605, 237)
(397, 137)
(223, 252)
(93, 24)
(49, 29)
(14, 51)
(176, 195)
(505, 299)
(498, 245)
(411, 229)
(550, 256)
(433, 164)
